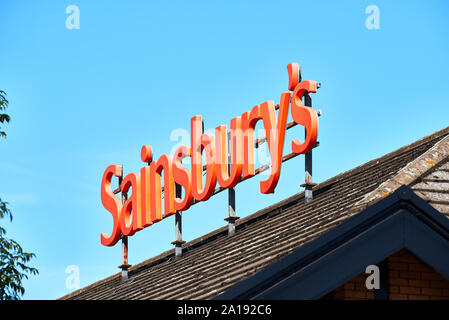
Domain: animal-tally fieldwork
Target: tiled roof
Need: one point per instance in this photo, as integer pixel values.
(215, 262)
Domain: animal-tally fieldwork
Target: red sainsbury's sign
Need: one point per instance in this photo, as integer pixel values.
(225, 167)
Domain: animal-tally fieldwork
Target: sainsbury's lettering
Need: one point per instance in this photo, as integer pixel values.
(227, 162)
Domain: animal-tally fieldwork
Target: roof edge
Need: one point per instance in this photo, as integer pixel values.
(410, 173)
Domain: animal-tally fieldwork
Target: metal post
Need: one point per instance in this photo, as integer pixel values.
(124, 266)
(308, 184)
(178, 226)
(232, 218)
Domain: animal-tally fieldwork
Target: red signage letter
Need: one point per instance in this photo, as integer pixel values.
(183, 177)
(304, 116)
(146, 155)
(201, 141)
(275, 133)
(235, 166)
(249, 120)
(111, 203)
(163, 163)
(131, 205)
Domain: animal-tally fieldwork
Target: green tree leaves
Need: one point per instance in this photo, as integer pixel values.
(13, 267)
(3, 116)
(13, 260)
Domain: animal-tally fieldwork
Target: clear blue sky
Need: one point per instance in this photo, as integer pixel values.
(83, 99)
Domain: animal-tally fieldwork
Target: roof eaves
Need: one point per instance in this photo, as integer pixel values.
(306, 258)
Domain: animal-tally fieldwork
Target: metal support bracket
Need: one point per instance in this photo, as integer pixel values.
(231, 218)
(308, 184)
(124, 266)
(178, 226)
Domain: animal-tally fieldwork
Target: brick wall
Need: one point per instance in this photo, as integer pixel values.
(409, 279)
(354, 289)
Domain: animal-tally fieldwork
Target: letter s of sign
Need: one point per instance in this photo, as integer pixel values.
(304, 116)
(183, 177)
(111, 203)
